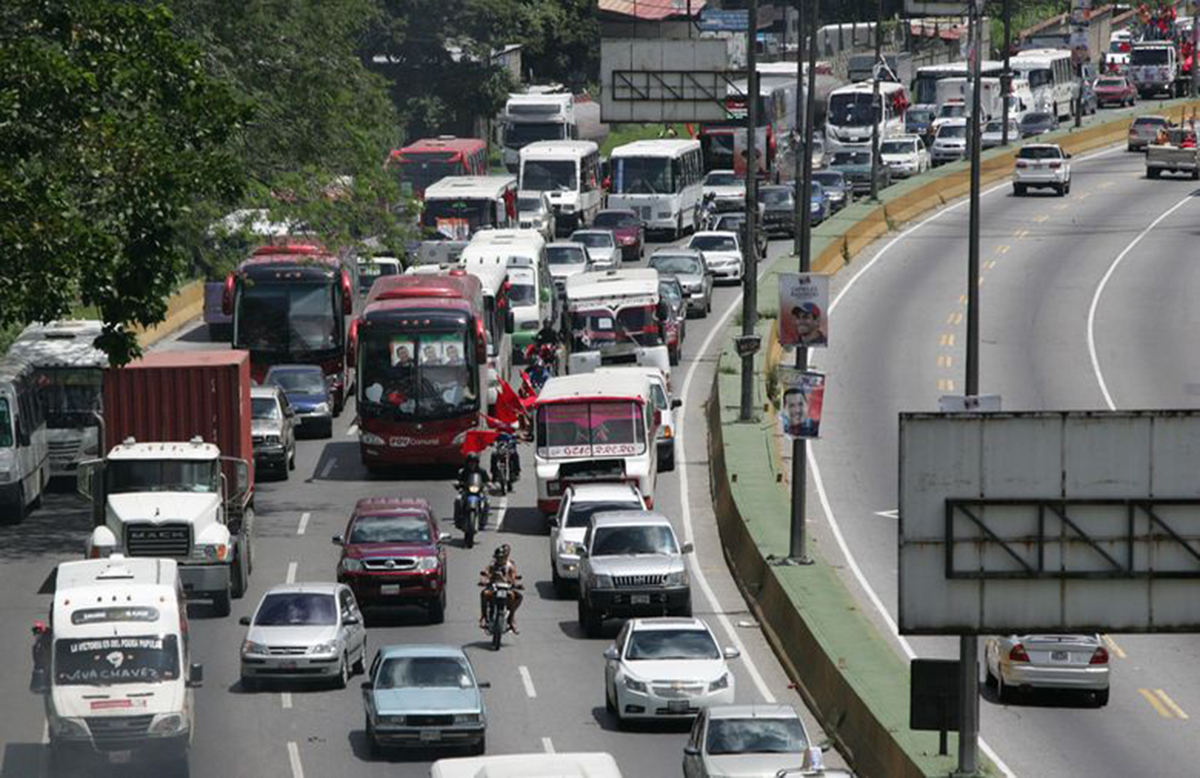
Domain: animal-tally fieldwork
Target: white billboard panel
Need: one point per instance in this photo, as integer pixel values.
(664, 80)
(1049, 521)
(945, 8)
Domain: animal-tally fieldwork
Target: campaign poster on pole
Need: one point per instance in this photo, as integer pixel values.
(803, 309)
(803, 396)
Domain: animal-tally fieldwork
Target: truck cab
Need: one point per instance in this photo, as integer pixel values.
(173, 501)
(114, 663)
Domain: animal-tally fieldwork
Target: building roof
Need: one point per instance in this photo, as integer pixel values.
(652, 10)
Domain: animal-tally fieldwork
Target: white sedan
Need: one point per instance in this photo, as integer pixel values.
(906, 155)
(724, 185)
(722, 254)
(1063, 662)
(603, 251)
(666, 668)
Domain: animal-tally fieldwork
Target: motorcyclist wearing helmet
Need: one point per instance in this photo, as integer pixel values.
(504, 569)
(471, 472)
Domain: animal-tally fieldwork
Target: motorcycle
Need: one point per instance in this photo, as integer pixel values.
(497, 614)
(471, 509)
(506, 468)
(541, 361)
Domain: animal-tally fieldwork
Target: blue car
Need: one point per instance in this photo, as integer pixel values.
(818, 205)
(424, 696)
(308, 394)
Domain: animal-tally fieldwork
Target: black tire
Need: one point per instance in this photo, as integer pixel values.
(1067, 188)
(1196, 174)
(360, 665)
(708, 304)
(328, 431)
(1101, 698)
(496, 624)
(1152, 172)
(609, 705)
(673, 357)
(590, 621)
(1018, 190)
(562, 588)
(374, 750)
(668, 461)
(343, 677)
(222, 603)
(480, 748)
(469, 530)
(238, 579)
(291, 465)
(437, 609)
(249, 685)
(684, 611)
(1003, 693)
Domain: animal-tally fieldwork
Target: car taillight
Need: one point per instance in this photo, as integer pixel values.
(554, 488)
(1132, 133)
(1017, 654)
(1055, 165)
(1099, 656)
(1022, 163)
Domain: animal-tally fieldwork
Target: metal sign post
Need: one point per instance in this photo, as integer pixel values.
(750, 245)
(876, 118)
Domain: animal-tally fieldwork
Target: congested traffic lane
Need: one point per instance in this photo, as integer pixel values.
(897, 344)
(547, 687)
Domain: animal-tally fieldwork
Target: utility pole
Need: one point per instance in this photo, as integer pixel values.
(749, 246)
(1006, 79)
(875, 106)
(798, 542)
(968, 645)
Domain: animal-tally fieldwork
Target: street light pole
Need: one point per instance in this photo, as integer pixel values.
(749, 246)
(1006, 78)
(875, 101)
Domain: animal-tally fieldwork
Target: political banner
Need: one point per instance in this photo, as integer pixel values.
(803, 396)
(803, 310)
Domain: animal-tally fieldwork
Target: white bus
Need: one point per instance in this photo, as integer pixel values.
(569, 173)
(1051, 79)
(69, 370)
(850, 116)
(531, 294)
(456, 207)
(660, 180)
(924, 88)
(24, 453)
(616, 318)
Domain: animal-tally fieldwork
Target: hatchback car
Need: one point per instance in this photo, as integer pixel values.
(272, 430)
(671, 292)
(905, 155)
(666, 667)
(689, 267)
(1037, 123)
(424, 696)
(993, 133)
(722, 253)
(1144, 130)
(305, 631)
(601, 245)
(579, 503)
(735, 221)
(535, 213)
(392, 555)
(1065, 662)
(759, 739)
(308, 394)
(1115, 90)
(837, 193)
(1042, 165)
(628, 228)
(565, 260)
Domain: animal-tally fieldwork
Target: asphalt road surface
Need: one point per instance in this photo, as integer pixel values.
(1087, 302)
(547, 682)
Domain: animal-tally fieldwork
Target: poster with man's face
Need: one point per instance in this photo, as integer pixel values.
(803, 396)
(803, 309)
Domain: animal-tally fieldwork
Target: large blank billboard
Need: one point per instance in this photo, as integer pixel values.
(663, 80)
(1049, 521)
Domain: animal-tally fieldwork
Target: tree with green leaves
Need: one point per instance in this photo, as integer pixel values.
(111, 131)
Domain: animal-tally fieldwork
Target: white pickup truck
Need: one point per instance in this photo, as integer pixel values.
(1173, 156)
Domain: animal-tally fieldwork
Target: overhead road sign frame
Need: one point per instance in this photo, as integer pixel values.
(1071, 521)
(937, 8)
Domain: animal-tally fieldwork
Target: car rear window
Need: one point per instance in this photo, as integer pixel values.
(1040, 152)
(580, 513)
(1149, 121)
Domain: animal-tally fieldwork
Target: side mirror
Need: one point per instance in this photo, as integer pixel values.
(352, 345)
(484, 684)
(731, 652)
(244, 621)
(611, 654)
(443, 537)
(583, 552)
(351, 621)
(687, 548)
(690, 750)
(195, 676)
(85, 478)
(662, 310)
(338, 540)
(510, 321)
(676, 404)
(367, 686)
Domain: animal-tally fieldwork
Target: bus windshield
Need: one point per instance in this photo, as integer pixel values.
(1151, 56)
(419, 375)
(852, 110)
(420, 169)
(163, 475)
(286, 318)
(457, 219)
(599, 329)
(72, 395)
(643, 175)
(517, 136)
(593, 429)
(6, 427)
(554, 175)
(110, 661)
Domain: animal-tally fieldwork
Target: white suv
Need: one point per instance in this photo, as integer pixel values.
(569, 525)
(950, 143)
(905, 155)
(1043, 165)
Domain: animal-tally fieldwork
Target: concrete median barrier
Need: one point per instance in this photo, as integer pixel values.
(182, 307)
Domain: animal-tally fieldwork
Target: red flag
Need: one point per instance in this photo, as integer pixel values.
(509, 408)
(478, 440)
(497, 424)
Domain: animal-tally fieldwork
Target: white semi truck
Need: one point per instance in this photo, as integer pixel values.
(530, 117)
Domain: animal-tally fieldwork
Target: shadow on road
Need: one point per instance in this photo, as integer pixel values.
(60, 527)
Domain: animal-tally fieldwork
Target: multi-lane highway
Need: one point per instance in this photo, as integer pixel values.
(546, 688)
(1087, 302)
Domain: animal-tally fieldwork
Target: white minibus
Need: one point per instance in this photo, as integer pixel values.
(659, 180)
(850, 116)
(569, 173)
(24, 449)
(1051, 79)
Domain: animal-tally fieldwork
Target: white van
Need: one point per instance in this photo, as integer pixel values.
(616, 318)
(531, 291)
(117, 675)
(660, 181)
(849, 118)
(569, 173)
(589, 430)
(593, 765)
(24, 448)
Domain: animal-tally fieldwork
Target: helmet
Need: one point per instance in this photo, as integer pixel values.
(473, 458)
(502, 551)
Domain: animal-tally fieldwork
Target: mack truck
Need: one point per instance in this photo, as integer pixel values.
(177, 481)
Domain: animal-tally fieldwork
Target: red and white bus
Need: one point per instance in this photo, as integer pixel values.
(420, 352)
(427, 161)
(289, 305)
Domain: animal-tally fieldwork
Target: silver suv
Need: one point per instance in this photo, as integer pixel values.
(631, 564)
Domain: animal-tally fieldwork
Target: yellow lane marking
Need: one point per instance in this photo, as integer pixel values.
(990, 264)
(1062, 206)
(945, 385)
(962, 299)
(1158, 706)
(1106, 184)
(1178, 711)
(1021, 233)
(981, 280)
(1002, 249)
(1083, 196)
(954, 318)
(947, 339)
(945, 360)
(1113, 647)
(1041, 218)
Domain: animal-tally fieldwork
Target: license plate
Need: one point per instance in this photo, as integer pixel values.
(120, 757)
(639, 599)
(677, 706)
(289, 665)
(1059, 656)
(431, 735)
(389, 589)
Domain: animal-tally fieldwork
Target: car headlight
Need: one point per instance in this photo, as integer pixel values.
(635, 685)
(330, 647)
(68, 727)
(677, 578)
(601, 581)
(466, 718)
(568, 208)
(570, 547)
(427, 563)
(370, 439)
(250, 647)
(351, 565)
(719, 684)
(390, 721)
(321, 408)
(167, 724)
(214, 552)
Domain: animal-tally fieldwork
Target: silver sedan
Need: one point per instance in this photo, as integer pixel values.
(1066, 662)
